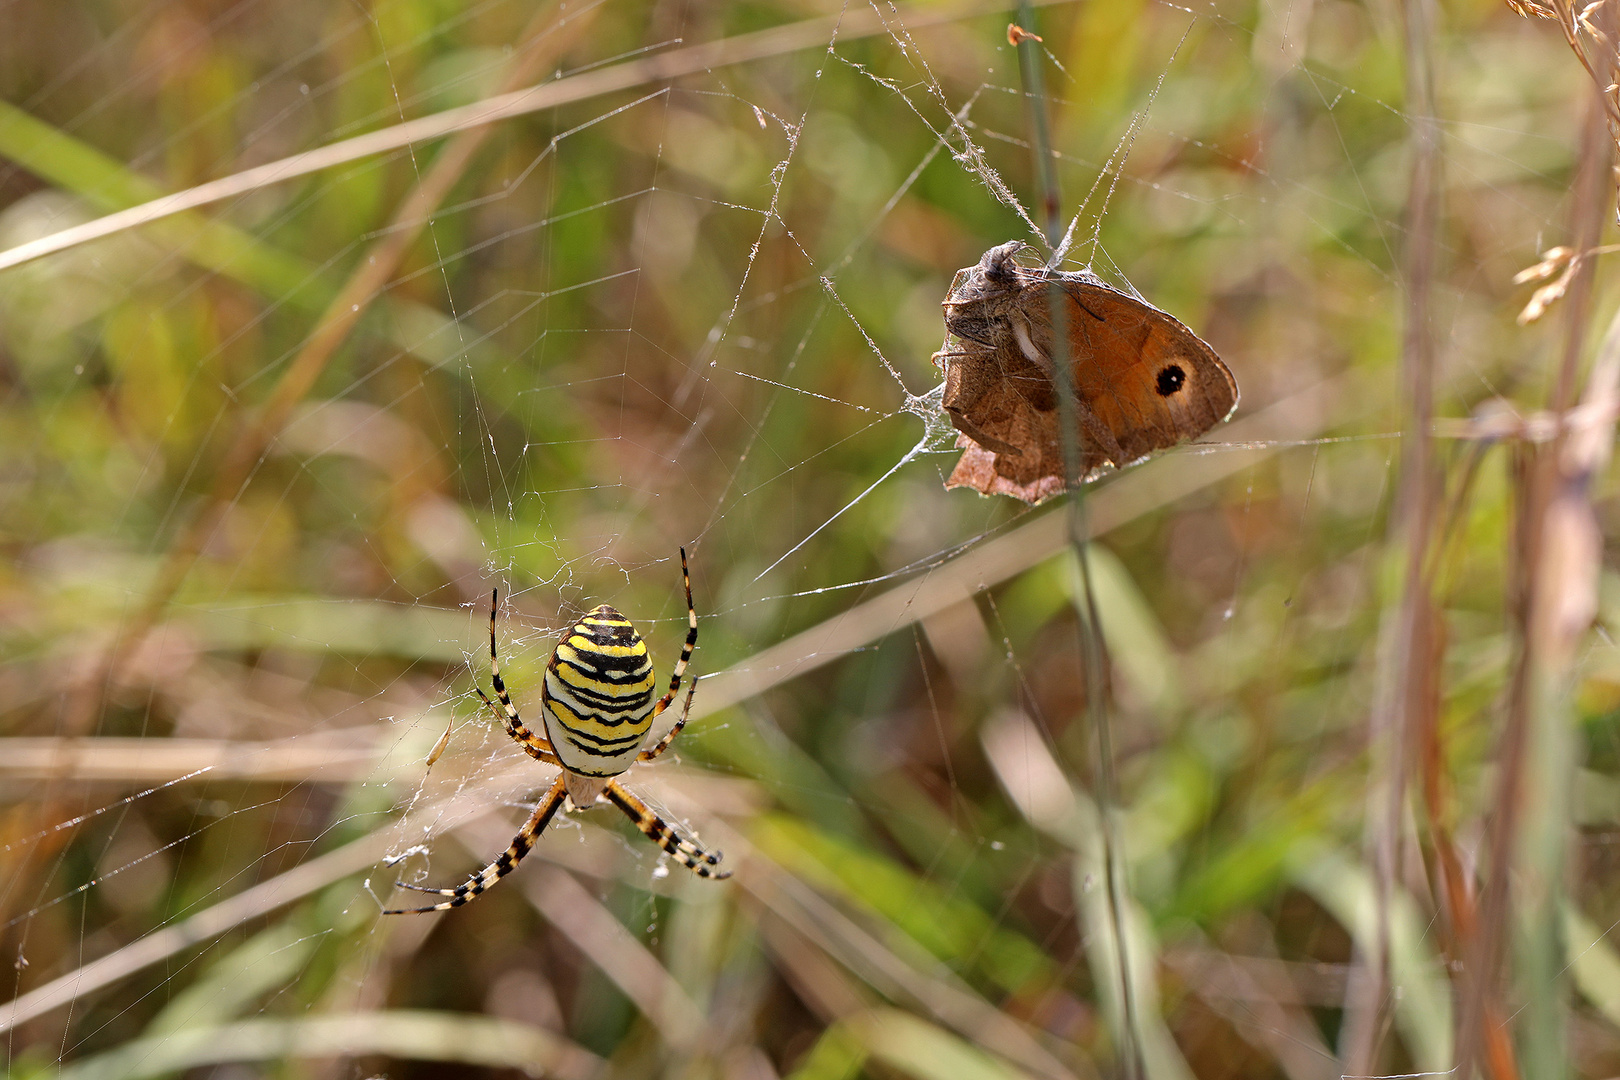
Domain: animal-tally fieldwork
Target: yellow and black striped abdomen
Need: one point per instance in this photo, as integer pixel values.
(598, 694)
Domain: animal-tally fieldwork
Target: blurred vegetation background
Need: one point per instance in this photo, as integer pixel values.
(262, 461)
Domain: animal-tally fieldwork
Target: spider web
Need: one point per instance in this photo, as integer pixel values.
(698, 310)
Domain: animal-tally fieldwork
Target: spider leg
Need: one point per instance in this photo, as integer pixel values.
(663, 744)
(686, 652)
(536, 745)
(504, 863)
(659, 832)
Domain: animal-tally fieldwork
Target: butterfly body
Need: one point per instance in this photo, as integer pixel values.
(1142, 381)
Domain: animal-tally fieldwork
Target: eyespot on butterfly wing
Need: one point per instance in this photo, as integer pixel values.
(1143, 381)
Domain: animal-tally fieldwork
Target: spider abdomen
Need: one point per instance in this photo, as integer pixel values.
(597, 699)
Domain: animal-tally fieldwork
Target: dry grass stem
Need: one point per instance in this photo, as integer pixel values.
(340, 758)
(1552, 524)
(473, 801)
(207, 924)
(663, 67)
(454, 1038)
(1406, 656)
(1497, 419)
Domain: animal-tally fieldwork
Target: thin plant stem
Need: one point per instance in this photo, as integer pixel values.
(1535, 480)
(1093, 658)
(1408, 659)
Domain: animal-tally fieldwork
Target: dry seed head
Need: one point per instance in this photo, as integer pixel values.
(1553, 260)
(1549, 294)
(438, 747)
(1532, 9)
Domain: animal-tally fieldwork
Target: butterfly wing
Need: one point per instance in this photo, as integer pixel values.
(1143, 381)
(1148, 380)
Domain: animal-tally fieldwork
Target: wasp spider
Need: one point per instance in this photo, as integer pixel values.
(597, 704)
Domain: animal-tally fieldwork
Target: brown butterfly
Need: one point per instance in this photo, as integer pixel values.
(1142, 380)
